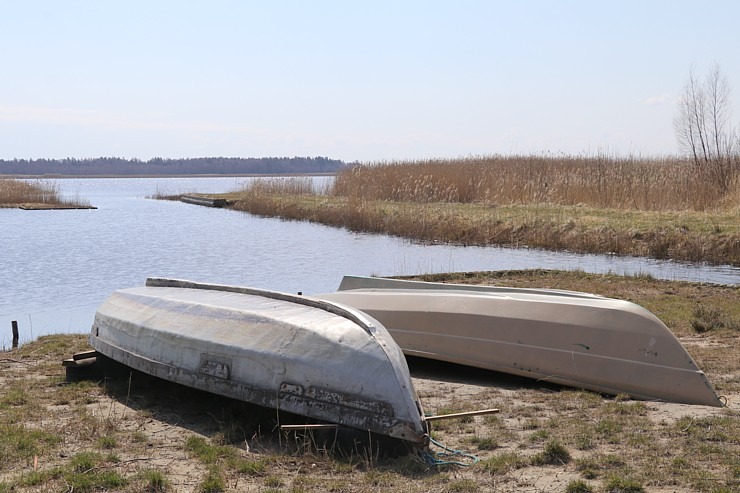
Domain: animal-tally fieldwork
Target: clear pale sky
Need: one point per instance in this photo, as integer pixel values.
(371, 80)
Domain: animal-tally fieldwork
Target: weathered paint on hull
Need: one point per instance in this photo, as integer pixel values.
(575, 339)
(277, 350)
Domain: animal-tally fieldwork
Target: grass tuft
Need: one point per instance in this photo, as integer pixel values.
(484, 443)
(578, 486)
(274, 482)
(213, 482)
(89, 471)
(503, 463)
(208, 453)
(155, 481)
(18, 444)
(619, 484)
(461, 486)
(708, 318)
(107, 442)
(555, 454)
(250, 467)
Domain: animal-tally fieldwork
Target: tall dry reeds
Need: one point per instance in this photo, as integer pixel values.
(14, 192)
(294, 185)
(283, 197)
(597, 181)
(19, 191)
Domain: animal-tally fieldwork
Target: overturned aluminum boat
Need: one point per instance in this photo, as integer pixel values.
(287, 352)
(570, 338)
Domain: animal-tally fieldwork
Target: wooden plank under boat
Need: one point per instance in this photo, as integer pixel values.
(305, 356)
(576, 339)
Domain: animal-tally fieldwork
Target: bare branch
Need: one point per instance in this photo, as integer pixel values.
(703, 130)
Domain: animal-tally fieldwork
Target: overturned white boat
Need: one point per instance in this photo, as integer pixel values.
(565, 337)
(308, 357)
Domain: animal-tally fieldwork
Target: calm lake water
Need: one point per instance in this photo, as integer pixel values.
(58, 266)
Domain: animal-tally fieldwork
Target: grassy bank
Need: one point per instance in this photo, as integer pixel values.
(134, 433)
(654, 208)
(686, 235)
(36, 195)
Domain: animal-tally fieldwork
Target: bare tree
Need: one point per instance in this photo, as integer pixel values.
(703, 127)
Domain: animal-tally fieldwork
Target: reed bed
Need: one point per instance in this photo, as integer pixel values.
(294, 185)
(633, 183)
(16, 192)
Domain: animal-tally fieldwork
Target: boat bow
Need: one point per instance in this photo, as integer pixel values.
(306, 356)
(565, 337)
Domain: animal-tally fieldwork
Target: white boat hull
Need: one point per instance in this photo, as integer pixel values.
(288, 352)
(575, 339)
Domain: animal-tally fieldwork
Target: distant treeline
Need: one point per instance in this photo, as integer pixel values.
(159, 166)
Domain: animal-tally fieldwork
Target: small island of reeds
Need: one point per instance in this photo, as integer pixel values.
(36, 195)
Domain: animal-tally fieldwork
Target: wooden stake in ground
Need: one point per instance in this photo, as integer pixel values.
(14, 325)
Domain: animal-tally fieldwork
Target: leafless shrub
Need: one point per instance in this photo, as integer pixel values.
(703, 129)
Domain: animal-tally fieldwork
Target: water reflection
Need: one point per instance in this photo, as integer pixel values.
(58, 266)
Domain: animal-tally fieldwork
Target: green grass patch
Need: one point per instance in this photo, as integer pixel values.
(59, 346)
(250, 467)
(578, 486)
(274, 482)
(107, 442)
(620, 484)
(91, 471)
(213, 482)
(502, 464)
(555, 454)
(18, 443)
(154, 481)
(14, 396)
(539, 436)
(600, 464)
(484, 443)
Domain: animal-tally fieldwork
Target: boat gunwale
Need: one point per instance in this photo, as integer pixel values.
(344, 311)
(353, 283)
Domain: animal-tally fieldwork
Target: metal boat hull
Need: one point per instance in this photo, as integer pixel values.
(575, 339)
(288, 352)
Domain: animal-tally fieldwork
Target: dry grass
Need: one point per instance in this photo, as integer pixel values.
(300, 185)
(135, 433)
(16, 192)
(668, 184)
(39, 193)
